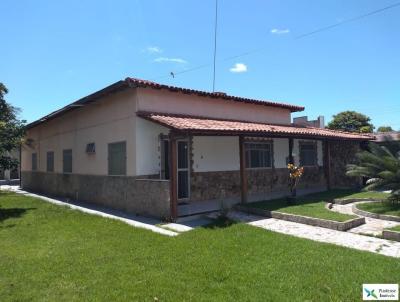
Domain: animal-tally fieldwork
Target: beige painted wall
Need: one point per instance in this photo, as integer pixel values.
(169, 102)
(148, 157)
(114, 119)
(109, 120)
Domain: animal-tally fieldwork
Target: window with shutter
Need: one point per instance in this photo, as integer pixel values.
(50, 161)
(117, 158)
(34, 161)
(67, 161)
(308, 153)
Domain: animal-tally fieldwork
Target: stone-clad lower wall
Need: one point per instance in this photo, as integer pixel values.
(226, 184)
(137, 196)
(342, 154)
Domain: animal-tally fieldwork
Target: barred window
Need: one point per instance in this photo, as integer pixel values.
(67, 161)
(308, 153)
(258, 155)
(34, 161)
(50, 161)
(117, 158)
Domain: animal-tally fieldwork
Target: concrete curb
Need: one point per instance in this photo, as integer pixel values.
(373, 215)
(324, 223)
(391, 235)
(343, 201)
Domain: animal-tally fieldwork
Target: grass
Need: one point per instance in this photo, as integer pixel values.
(372, 195)
(312, 205)
(396, 228)
(385, 208)
(51, 253)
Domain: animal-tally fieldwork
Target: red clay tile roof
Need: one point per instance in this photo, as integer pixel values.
(219, 95)
(203, 125)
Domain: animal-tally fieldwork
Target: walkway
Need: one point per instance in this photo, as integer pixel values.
(133, 220)
(372, 226)
(350, 240)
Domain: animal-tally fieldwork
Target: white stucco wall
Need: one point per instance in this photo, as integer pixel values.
(165, 101)
(221, 153)
(281, 152)
(148, 155)
(215, 153)
(106, 121)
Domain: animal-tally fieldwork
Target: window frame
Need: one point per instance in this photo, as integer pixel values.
(47, 161)
(109, 162)
(315, 147)
(64, 163)
(165, 174)
(258, 142)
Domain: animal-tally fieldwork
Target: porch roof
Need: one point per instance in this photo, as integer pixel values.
(207, 126)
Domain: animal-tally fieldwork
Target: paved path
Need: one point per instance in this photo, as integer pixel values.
(133, 220)
(350, 240)
(372, 226)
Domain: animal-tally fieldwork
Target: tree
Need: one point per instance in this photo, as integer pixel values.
(351, 121)
(382, 168)
(11, 131)
(385, 129)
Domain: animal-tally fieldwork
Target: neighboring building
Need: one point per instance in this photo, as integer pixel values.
(165, 151)
(391, 140)
(384, 137)
(303, 121)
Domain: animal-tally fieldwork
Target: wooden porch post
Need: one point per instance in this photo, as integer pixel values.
(291, 161)
(243, 174)
(173, 176)
(327, 157)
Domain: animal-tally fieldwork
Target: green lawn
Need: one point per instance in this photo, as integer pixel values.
(51, 253)
(396, 228)
(385, 208)
(312, 205)
(373, 195)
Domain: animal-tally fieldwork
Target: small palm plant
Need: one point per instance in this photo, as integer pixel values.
(382, 168)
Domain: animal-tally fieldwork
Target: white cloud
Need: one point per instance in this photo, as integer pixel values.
(154, 49)
(173, 60)
(277, 31)
(238, 67)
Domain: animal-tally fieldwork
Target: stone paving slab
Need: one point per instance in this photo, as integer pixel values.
(133, 220)
(346, 239)
(372, 226)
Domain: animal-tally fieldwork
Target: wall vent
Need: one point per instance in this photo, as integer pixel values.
(91, 148)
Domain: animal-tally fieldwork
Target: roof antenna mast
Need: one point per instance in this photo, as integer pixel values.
(215, 41)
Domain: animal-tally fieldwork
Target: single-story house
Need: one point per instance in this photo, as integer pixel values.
(167, 152)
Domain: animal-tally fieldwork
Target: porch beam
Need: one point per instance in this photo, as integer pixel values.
(173, 176)
(291, 161)
(327, 157)
(243, 174)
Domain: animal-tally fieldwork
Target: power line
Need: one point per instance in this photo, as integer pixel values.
(250, 52)
(349, 20)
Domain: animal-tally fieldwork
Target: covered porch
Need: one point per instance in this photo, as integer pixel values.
(214, 164)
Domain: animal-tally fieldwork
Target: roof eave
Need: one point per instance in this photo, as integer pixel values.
(80, 103)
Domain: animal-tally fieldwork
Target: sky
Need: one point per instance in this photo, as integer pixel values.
(55, 52)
